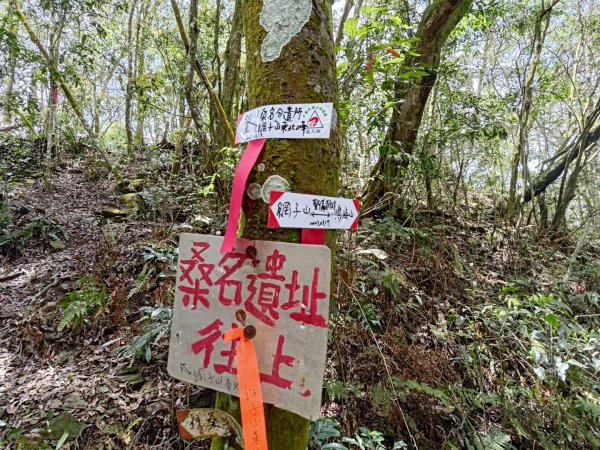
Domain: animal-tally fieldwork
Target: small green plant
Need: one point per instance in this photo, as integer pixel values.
(367, 439)
(12, 240)
(340, 390)
(141, 281)
(321, 432)
(89, 299)
(158, 321)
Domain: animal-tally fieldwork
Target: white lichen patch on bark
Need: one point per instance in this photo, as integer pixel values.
(274, 183)
(254, 191)
(282, 20)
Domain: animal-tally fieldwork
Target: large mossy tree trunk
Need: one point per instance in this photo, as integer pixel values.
(304, 72)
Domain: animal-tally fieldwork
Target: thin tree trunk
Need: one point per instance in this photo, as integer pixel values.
(52, 99)
(140, 59)
(216, 62)
(189, 79)
(179, 143)
(11, 69)
(129, 87)
(539, 35)
(345, 13)
(231, 74)
(140, 110)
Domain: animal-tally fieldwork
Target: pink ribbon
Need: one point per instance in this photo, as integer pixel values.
(240, 178)
(312, 236)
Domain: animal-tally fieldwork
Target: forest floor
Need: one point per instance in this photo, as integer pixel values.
(448, 329)
(76, 376)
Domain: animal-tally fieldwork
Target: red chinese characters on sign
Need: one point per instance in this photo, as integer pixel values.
(261, 294)
(282, 288)
(192, 289)
(262, 302)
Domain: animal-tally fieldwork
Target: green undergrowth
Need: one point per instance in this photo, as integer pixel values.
(441, 341)
(88, 301)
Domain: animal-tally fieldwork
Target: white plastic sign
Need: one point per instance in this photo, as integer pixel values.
(287, 121)
(281, 288)
(291, 210)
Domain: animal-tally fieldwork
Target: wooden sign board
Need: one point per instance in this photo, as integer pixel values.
(281, 288)
(287, 121)
(291, 210)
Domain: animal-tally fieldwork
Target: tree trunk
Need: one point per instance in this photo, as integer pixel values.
(11, 69)
(304, 72)
(571, 153)
(179, 143)
(539, 35)
(129, 88)
(140, 109)
(340, 32)
(438, 21)
(231, 74)
(52, 99)
(216, 62)
(142, 25)
(569, 182)
(189, 85)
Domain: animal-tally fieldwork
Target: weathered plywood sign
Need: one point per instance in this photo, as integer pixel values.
(287, 121)
(291, 210)
(281, 288)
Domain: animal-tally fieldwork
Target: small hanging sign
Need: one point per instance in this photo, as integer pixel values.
(291, 210)
(286, 121)
(282, 289)
(207, 422)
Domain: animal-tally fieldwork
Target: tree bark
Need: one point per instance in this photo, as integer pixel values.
(231, 74)
(305, 72)
(216, 62)
(52, 97)
(129, 88)
(539, 35)
(189, 75)
(12, 66)
(551, 174)
(340, 32)
(178, 152)
(141, 36)
(438, 21)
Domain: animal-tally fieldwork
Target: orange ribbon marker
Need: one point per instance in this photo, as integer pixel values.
(251, 402)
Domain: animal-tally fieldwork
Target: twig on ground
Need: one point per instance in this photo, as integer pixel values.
(56, 280)
(11, 276)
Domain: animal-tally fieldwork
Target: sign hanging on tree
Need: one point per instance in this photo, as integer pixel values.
(286, 121)
(291, 210)
(282, 289)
